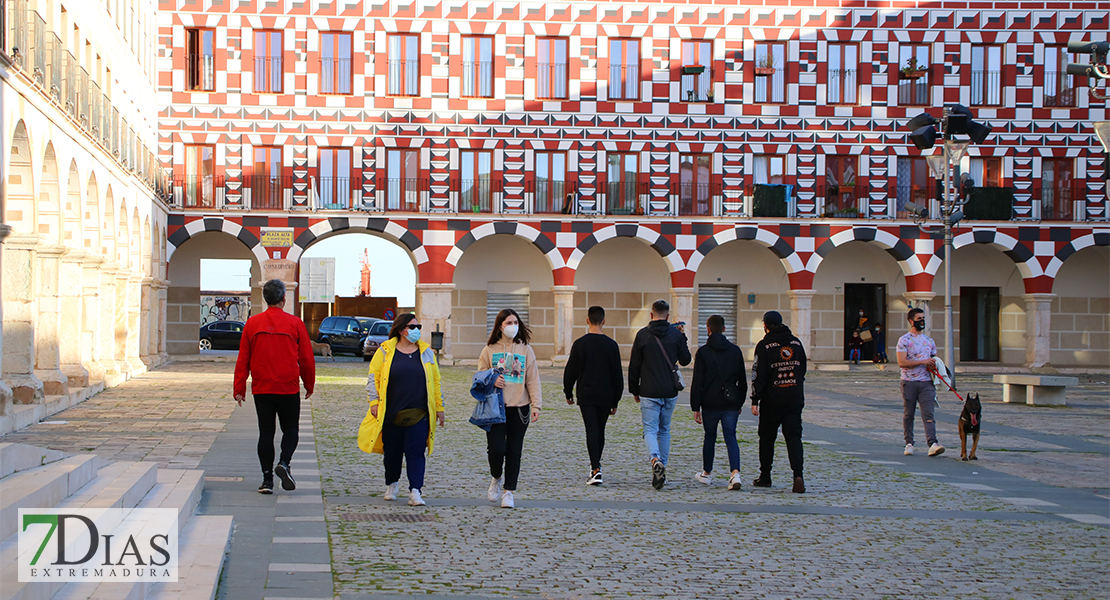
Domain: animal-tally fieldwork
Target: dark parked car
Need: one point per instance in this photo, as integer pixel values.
(221, 335)
(379, 332)
(345, 334)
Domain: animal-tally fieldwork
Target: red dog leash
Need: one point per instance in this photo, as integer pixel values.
(942, 378)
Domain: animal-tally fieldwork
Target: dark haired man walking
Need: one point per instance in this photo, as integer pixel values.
(594, 366)
(916, 353)
(275, 351)
(778, 397)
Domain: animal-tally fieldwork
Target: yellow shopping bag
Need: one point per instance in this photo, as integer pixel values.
(368, 432)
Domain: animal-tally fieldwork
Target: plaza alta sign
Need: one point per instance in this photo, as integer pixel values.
(100, 545)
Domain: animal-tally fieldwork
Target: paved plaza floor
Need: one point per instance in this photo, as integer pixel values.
(1030, 518)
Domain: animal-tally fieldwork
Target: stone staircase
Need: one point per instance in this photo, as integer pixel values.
(33, 477)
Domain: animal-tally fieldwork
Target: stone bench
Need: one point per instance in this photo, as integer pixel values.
(1035, 390)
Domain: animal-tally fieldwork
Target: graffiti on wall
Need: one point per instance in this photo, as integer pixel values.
(224, 308)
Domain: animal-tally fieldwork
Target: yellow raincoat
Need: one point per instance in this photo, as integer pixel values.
(370, 432)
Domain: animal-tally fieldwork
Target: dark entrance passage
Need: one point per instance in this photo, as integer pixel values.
(979, 309)
(871, 299)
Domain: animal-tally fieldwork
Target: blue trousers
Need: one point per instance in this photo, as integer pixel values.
(656, 416)
(408, 443)
(727, 420)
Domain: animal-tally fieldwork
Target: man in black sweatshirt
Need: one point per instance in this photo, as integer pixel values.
(779, 370)
(716, 396)
(651, 381)
(594, 366)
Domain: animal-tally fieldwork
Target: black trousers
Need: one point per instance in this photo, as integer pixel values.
(505, 443)
(775, 414)
(595, 418)
(287, 409)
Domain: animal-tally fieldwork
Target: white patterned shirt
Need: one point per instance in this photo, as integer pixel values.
(917, 346)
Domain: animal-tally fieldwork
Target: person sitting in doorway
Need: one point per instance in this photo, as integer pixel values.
(855, 346)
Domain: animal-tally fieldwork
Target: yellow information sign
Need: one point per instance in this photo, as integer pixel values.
(277, 238)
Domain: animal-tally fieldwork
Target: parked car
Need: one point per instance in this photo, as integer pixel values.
(221, 335)
(379, 332)
(345, 334)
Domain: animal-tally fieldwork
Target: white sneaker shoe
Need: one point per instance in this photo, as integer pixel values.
(595, 478)
(415, 499)
(936, 450)
(909, 450)
(734, 482)
(391, 490)
(494, 492)
(507, 499)
(703, 477)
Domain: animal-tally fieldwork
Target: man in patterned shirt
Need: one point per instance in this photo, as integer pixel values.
(915, 356)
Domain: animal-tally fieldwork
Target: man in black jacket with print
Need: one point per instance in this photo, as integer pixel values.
(595, 366)
(651, 381)
(777, 397)
(716, 396)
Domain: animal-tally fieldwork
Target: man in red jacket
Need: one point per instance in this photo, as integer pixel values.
(275, 351)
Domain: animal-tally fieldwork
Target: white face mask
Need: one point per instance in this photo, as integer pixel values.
(510, 331)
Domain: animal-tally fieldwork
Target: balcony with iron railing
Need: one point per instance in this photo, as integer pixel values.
(40, 56)
(989, 204)
(842, 86)
(266, 192)
(551, 81)
(626, 197)
(770, 85)
(986, 88)
(696, 199)
(1059, 201)
(335, 76)
(197, 191)
(840, 202)
(404, 194)
(269, 75)
(624, 82)
(404, 78)
(200, 72)
(476, 195)
(477, 80)
(1060, 90)
(338, 193)
(550, 197)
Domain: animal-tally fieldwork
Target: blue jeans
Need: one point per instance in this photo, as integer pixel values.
(408, 443)
(656, 415)
(727, 419)
(853, 355)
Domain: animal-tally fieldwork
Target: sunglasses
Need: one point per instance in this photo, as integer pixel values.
(416, 326)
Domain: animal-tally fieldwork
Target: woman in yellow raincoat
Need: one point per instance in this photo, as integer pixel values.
(404, 391)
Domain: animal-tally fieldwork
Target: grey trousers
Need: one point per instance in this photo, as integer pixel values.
(925, 394)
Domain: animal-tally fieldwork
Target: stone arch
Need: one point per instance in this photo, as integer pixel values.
(49, 204)
(1081, 308)
(1009, 245)
(529, 233)
(72, 232)
(90, 216)
(193, 228)
(656, 240)
(1098, 238)
(385, 228)
(20, 203)
(897, 248)
(784, 251)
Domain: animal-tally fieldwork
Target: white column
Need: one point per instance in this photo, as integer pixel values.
(916, 300)
(801, 316)
(564, 320)
(109, 324)
(19, 318)
(1038, 320)
(433, 308)
(71, 291)
(163, 302)
(47, 356)
(682, 309)
(93, 320)
(145, 289)
(5, 389)
(135, 324)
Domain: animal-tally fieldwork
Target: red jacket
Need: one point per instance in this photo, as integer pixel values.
(275, 350)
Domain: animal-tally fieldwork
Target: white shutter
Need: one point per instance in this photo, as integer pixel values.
(716, 300)
(496, 302)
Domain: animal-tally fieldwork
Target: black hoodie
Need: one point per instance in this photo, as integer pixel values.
(779, 368)
(717, 364)
(650, 374)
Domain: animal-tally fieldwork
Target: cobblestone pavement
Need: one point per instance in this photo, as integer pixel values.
(873, 523)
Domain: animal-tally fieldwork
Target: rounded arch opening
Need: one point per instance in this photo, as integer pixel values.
(744, 279)
(19, 210)
(988, 312)
(91, 215)
(1081, 309)
(49, 216)
(72, 231)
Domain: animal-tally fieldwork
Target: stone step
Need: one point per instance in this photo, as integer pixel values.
(177, 489)
(23, 415)
(204, 545)
(21, 457)
(43, 487)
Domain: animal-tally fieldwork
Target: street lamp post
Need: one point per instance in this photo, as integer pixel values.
(956, 120)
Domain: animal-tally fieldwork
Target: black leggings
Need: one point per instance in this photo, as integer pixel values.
(505, 443)
(287, 409)
(772, 415)
(595, 418)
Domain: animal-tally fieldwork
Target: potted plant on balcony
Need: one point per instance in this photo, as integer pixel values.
(709, 94)
(691, 96)
(766, 66)
(912, 70)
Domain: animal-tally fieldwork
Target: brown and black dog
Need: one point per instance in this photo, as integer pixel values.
(970, 421)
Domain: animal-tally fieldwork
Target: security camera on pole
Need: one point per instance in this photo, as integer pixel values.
(957, 120)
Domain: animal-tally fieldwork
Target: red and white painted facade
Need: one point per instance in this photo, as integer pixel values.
(738, 130)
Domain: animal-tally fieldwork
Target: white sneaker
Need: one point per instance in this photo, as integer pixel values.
(703, 477)
(507, 499)
(734, 482)
(494, 491)
(936, 450)
(595, 478)
(415, 499)
(391, 490)
(909, 450)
